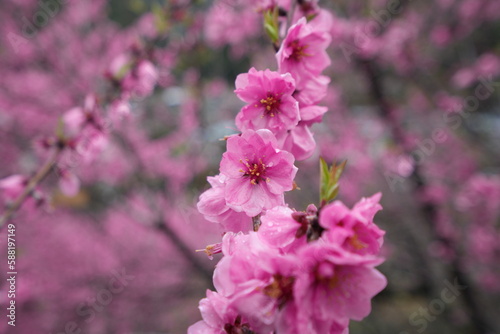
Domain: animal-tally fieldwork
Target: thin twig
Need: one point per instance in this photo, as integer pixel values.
(32, 184)
(187, 252)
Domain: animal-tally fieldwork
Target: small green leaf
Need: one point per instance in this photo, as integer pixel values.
(310, 17)
(271, 32)
(271, 25)
(329, 184)
(324, 170)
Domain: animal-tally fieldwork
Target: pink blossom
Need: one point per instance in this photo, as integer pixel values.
(299, 141)
(76, 119)
(90, 144)
(312, 114)
(68, 182)
(218, 317)
(119, 109)
(323, 19)
(309, 92)
(212, 205)
(280, 230)
(334, 285)
(368, 207)
(257, 280)
(226, 23)
(86, 130)
(257, 172)
(141, 80)
(12, 186)
(119, 66)
(288, 323)
(270, 102)
(354, 229)
(312, 90)
(303, 51)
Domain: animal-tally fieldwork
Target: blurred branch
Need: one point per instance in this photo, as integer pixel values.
(418, 242)
(188, 253)
(429, 210)
(161, 225)
(32, 184)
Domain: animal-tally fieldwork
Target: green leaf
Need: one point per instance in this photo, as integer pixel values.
(324, 170)
(329, 183)
(271, 25)
(310, 17)
(271, 32)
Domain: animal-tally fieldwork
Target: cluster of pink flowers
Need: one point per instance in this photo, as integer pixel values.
(301, 272)
(84, 131)
(285, 102)
(275, 123)
(282, 270)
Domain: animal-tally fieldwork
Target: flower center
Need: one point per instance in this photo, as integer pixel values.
(356, 243)
(271, 105)
(329, 275)
(238, 327)
(281, 289)
(298, 50)
(254, 171)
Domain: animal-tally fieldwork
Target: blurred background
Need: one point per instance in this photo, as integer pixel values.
(107, 242)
